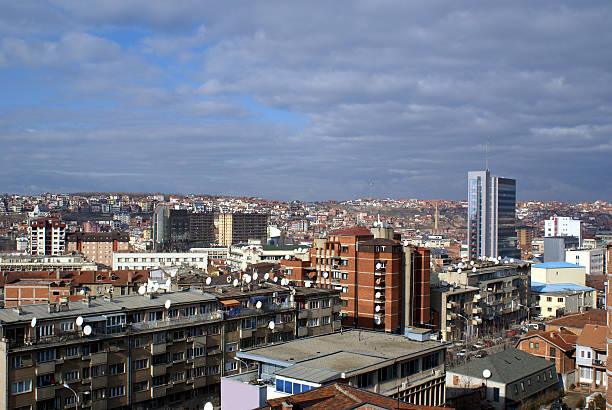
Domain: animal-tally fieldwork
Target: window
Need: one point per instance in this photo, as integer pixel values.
(549, 299)
(210, 370)
(178, 376)
(158, 380)
(197, 351)
(20, 361)
(231, 366)
(560, 300)
(553, 353)
(140, 386)
(69, 400)
(325, 303)
(410, 367)
(531, 345)
(137, 317)
(325, 320)
(46, 355)
(67, 326)
(116, 368)
(344, 275)
(387, 373)
(313, 322)
(365, 379)
(537, 345)
(250, 323)
(344, 289)
(522, 386)
(45, 380)
(72, 351)
(71, 376)
(495, 394)
(430, 361)
(141, 364)
(231, 347)
(98, 370)
(23, 386)
(177, 356)
(45, 330)
(314, 304)
(116, 391)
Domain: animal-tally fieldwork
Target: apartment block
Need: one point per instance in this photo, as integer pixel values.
(32, 263)
(242, 227)
(47, 237)
(155, 260)
(593, 260)
(98, 246)
(455, 310)
(141, 352)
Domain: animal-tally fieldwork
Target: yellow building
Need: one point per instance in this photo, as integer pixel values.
(552, 300)
(558, 272)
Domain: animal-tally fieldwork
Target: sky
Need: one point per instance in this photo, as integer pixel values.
(308, 100)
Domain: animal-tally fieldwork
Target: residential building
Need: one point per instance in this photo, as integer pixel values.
(576, 322)
(154, 260)
(592, 259)
(591, 355)
(384, 285)
(503, 294)
(563, 226)
(491, 216)
(242, 227)
(98, 246)
(558, 272)
(179, 229)
(455, 311)
(525, 235)
(408, 369)
(242, 255)
(558, 299)
(47, 236)
(156, 350)
(31, 263)
(514, 378)
(556, 346)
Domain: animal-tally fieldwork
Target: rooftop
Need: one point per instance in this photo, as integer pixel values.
(555, 265)
(540, 287)
(325, 356)
(593, 336)
(353, 231)
(579, 320)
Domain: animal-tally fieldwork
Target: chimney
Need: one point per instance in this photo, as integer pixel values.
(57, 274)
(130, 276)
(18, 309)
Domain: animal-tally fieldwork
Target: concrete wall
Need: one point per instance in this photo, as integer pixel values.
(238, 395)
(575, 275)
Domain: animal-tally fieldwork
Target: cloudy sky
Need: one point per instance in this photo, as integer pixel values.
(306, 100)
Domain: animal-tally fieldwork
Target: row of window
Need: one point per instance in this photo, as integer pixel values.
(160, 260)
(292, 388)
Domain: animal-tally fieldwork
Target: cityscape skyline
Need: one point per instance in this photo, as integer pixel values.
(335, 101)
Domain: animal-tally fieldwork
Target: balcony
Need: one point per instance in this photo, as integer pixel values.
(599, 363)
(158, 348)
(302, 331)
(158, 391)
(302, 314)
(336, 308)
(99, 405)
(99, 382)
(45, 367)
(45, 393)
(98, 358)
(244, 333)
(159, 369)
(183, 320)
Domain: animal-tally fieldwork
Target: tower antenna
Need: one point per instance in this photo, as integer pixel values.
(487, 155)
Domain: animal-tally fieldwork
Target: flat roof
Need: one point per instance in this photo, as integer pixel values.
(556, 265)
(540, 287)
(340, 352)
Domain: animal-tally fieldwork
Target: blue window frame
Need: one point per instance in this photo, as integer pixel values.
(279, 385)
(288, 387)
(297, 388)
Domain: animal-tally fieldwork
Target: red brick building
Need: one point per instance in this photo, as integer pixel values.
(557, 346)
(384, 284)
(98, 246)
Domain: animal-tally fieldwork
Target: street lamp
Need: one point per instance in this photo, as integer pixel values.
(528, 310)
(241, 361)
(466, 331)
(76, 396)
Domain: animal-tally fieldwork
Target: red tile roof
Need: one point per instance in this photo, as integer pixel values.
(564, 340)
(579, 320)
(593, 336)
(353, 231)
(340, 396)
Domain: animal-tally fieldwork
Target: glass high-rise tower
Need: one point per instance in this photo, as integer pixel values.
(491, 216)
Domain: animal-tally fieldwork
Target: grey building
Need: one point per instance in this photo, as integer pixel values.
(491, 216)
(514, 377)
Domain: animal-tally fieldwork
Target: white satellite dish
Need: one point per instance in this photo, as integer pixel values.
(82, 291)
(496, 262)
(287, 257)
(377, 308)
(172, 273)
(228, 279)
(511, 260)
(142, 290)
(486, 373)
(325, 275)
(255, 276)
(155, 287)
(276, 279)
(208, 280)
(472, 263)
(498, 258)
(307, 284)
(167, 303)
(377, 295)
(258, 304)
(459, 270)
(208, 406)
(474, 269)
(378, 266)
(271, 325)
(248, 279)
(33, 322)
(235, 282)
(79, 321)
(168, 283)
(266, 276)
(87, 330)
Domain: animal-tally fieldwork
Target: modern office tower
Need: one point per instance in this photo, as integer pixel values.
(240, 227)
(179, 229)
(563, 226)
(384, 285)
(47, 237)
(491, 216)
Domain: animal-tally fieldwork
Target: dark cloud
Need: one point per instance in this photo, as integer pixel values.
(307, 100)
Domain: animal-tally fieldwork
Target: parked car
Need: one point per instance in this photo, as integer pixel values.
(478, 346)
(462, 352)
(481, 353)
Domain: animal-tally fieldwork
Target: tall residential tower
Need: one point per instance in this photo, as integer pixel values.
(491, 216)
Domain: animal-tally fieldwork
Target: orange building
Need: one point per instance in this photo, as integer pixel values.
(98, 246)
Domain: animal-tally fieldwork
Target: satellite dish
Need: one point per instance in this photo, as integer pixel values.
(307, 284)
(155, 287)
(325, 275)
(271, 325)
(255, 276)
(266, 276)
(496, 262)
(142, 290)
(499, 258)
(82, 291)
(168, 283)
(258, 304)
(228, 279)
(378, 266)
(287, 257)
(79, 321)
(472, 263)
(87, 330)
(459, 270)
(247, 279)
(377, 308)
(276, 279)
(511, 260)
(235, 282)
(377, 295)
(208, 280)
(486, 373)
(208, 406)
(474, 269)
(172, 273)
(167, 303)
(33, 322)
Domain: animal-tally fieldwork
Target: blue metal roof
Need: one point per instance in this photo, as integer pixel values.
(556, 265)
(540, 287)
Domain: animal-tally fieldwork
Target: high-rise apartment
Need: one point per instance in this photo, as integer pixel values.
(563, 226)
(491, 216)
(98, 246)
(240, 227)
(179, 229)
(47, 236)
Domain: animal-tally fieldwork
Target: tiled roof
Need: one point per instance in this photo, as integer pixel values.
(564, 340)
(579, 320)
(593, 336)
(353, 231)
(340, 396)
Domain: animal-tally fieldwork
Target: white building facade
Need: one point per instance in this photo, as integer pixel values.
(591, 259)
(563, 226)
(155, 260)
